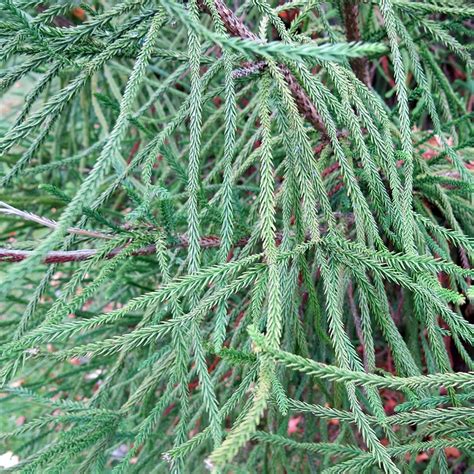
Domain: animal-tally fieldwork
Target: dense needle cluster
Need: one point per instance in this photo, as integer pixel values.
(236, 236)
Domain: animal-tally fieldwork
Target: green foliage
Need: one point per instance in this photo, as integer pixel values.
(221, 224)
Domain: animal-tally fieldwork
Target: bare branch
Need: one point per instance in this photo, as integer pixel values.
(60, 256)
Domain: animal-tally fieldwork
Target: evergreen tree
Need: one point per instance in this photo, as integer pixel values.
(236, 236)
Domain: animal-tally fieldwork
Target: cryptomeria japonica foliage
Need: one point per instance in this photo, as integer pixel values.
(236, 236)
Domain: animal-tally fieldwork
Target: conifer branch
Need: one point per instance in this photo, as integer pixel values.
(271, 252)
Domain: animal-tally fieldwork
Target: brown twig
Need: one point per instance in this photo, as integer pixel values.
(248, 69)
(357, 323)
(360, 66)
(61, 256)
